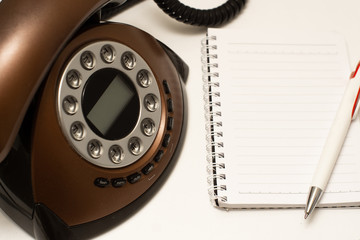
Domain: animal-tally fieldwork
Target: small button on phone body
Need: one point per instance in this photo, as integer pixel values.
(159, 156)
(170, 105)
(118, 182)
(148, 168)
(166, 87)
(101, 182)
(170, 123)
(166, 140)
(133, 178)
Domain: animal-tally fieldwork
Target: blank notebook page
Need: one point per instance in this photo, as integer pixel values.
(279, 96)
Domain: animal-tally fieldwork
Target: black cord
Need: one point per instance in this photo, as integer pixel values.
(208, 17)
(183, 13)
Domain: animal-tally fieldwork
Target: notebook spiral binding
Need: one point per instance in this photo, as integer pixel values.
(212, 98)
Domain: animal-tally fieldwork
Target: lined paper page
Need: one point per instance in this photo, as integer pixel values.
(279, 95)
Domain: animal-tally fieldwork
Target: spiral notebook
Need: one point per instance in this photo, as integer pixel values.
(270, 100)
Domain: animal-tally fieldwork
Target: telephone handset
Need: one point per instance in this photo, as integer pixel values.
(93, 114)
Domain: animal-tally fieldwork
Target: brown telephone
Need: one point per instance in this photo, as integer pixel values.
(92, 114)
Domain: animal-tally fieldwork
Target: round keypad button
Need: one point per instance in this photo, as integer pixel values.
(107, 53)
(128, 60)
(151, 102)
(70, 105)
(148, 127)
(144, 78)
(135, 146)
(116, 154)
(73, 79)
(87, 60)
(77, 131)
(95, 148)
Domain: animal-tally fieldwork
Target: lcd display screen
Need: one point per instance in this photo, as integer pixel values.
(110, 105)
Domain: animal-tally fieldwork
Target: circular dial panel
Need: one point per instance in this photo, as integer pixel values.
(108, 104)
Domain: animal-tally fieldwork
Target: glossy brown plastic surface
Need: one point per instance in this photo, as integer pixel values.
(62, 180)
(31, 35)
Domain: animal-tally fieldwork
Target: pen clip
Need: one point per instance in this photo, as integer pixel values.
(356, 106)
(353, 74)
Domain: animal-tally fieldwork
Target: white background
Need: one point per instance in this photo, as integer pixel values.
(181, 209)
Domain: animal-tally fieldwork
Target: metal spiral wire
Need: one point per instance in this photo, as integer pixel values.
(200, 17)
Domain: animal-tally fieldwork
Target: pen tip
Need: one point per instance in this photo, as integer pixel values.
(306, 215)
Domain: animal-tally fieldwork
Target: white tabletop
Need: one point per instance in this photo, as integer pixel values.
(181, 209)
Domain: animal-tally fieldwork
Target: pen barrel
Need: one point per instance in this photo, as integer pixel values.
(337, 135)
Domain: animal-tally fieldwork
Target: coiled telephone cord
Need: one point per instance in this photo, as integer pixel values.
(201, 17)
(179, 11)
